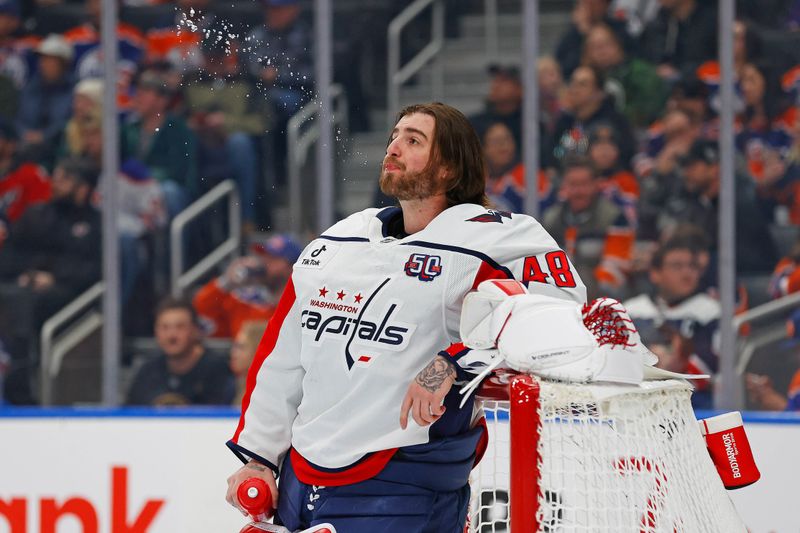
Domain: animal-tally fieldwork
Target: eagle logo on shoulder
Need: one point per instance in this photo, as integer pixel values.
(491, 215)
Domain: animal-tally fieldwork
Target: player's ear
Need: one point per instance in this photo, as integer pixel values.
(446, 177)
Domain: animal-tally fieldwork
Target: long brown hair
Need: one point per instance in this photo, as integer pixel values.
(456, 146)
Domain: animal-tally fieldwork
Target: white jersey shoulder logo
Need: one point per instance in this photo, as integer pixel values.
(318, 255)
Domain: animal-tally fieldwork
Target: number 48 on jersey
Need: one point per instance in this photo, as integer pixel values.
(557, 265)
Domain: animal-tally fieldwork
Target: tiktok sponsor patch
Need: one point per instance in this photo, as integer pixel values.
(318, 255)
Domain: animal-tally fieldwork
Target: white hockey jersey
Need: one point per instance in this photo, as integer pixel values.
(363, 313)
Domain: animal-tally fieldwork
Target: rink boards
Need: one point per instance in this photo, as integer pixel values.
(145, 471)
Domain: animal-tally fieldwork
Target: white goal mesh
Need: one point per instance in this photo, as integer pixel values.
(609, 459)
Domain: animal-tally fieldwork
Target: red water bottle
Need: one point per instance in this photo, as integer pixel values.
(730, 450)
(256, 498)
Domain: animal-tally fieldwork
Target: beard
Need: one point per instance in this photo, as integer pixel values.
(409, 185)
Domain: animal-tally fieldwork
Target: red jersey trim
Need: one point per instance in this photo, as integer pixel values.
(487, 271)
(366, 468)
(483, 442)
(265, 348)
(454, 350)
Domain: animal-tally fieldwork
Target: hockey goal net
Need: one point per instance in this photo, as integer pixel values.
(578, 458)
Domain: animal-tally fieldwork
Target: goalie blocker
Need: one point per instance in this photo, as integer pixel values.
(506, 325)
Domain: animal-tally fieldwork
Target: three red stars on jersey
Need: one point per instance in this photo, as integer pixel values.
(323, 292)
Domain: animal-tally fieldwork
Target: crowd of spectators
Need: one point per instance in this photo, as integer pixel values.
(628, 185)
(200, 100)
(630, 170)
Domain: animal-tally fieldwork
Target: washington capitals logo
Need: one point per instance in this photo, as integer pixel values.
(491, 216)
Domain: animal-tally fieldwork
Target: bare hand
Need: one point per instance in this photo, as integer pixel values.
(33, 137)
(762, 392)
(238, 272)
(426, 393)
(251, 469)
(42, 281)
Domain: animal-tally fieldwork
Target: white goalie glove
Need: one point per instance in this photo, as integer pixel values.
(555, 338)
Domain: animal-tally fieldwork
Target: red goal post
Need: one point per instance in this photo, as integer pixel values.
(601, 458)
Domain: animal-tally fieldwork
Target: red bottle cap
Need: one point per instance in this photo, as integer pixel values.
(255, 497)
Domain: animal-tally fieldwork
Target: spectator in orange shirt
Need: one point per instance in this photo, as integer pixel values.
(249, 287)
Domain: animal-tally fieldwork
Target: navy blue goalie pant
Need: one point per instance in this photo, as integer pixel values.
(423, 489)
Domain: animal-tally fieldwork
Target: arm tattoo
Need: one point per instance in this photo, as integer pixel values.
(432, 376)
(256, 466)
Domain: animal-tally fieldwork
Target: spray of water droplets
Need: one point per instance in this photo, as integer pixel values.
(224, 32)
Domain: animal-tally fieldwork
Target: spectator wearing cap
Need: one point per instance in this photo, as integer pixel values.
(87, 109)
(46, 100)
(227, 116)
(698, 204)
(592, 230)
(88, 62)
(589, 105)
(279, 55)
(692, 96)
(504, 104)
(585, 15)
(23, 182)
(638, 90)
(162, 141)
(681, 37)
(616, 183)
(50, 256)
(249, 288)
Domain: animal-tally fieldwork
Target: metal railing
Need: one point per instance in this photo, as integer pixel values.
(397, 74)
(300, 140)
(490, 21)
(180, 280)
(53, 347)
(748, 345)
